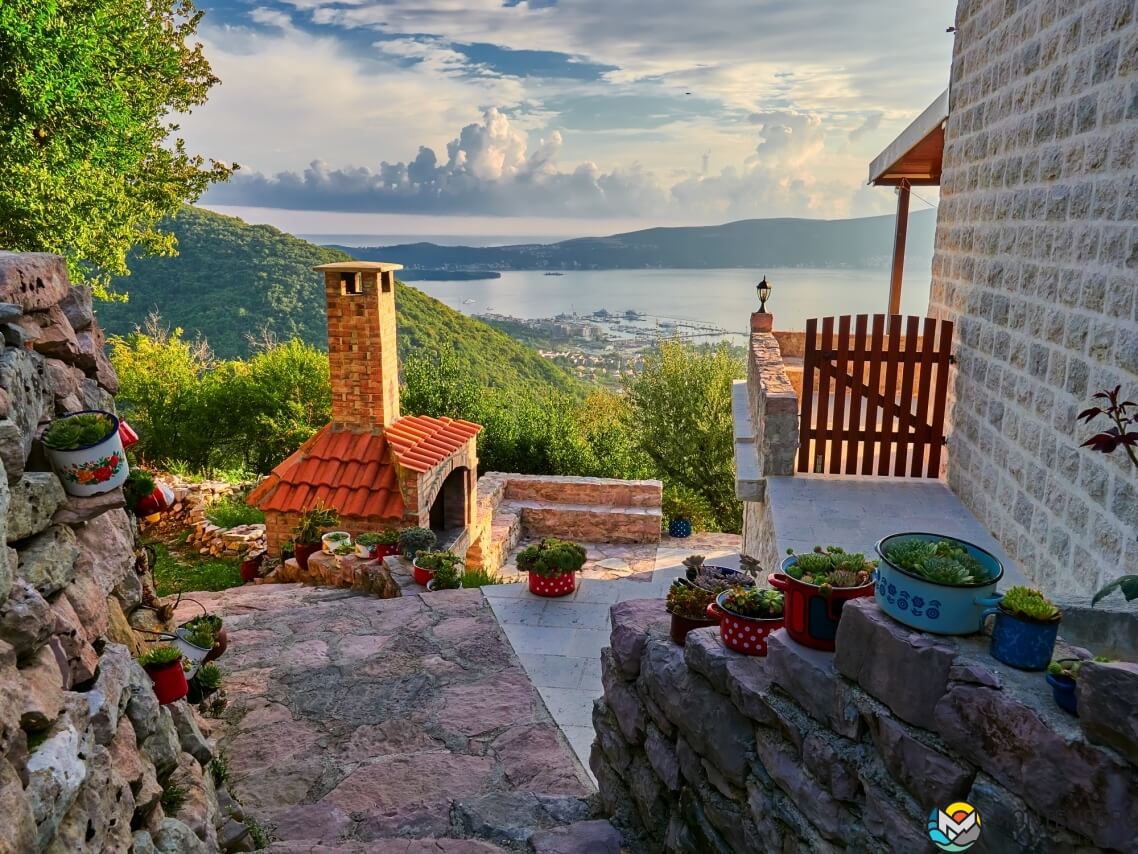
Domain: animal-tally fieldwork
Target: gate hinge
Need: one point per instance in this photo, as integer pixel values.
(952, 358)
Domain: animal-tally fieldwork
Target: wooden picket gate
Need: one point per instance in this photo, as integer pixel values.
(873, 402)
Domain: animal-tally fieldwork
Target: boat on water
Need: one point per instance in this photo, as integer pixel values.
(467, 301)
(632, 314)
(552, 273)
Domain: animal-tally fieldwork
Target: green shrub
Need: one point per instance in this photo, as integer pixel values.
(415, 540)
(173, 797)
(312, 522)
(437, 561)
(448, 576)
(479, 577)
(230, 511)
(682, 502)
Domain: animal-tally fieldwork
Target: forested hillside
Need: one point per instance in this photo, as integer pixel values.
(231, 280)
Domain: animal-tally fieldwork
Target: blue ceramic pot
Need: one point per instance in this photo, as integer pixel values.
(943, 609)
(1063, 690)
(679, 528)
(1024, 644)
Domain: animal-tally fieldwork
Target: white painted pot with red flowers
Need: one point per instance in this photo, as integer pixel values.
(86, 452)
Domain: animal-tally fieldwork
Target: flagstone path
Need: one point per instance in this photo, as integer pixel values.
(402, 725)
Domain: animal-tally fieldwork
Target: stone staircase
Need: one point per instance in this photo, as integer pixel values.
(583, 509)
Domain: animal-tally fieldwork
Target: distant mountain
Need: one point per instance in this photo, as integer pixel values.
(759, 243)
(231, 280)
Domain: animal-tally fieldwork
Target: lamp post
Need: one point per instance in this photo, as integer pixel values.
(763, 289)
(762, 320)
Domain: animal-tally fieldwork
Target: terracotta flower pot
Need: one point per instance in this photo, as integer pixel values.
(303, 551)
(554, 586)
(169, 681)
(682, 625)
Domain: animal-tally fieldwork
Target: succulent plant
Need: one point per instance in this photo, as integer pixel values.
(209, 676)
(414, 540)
(78, 431)
(831, 567)
(752, 602)
(159, 656)
(448, 576)
(686, 600)
(942, 562)
(1029, 603)
(368, 539)
(551, 557)
(1068, 668)
(438, 561)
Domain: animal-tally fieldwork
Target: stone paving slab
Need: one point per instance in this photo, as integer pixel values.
(559, 641)
(355, 724)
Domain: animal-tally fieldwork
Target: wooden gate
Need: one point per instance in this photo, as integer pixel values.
(873, 401)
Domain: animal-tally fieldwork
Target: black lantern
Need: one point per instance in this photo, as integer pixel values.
(764, 291)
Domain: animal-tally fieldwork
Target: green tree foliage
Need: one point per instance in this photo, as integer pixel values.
(237, 284)
(87, 92)
(681, 405)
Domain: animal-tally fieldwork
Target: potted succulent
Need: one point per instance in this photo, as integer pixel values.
(414, 540)
(426, 564)
(367, 545)
(817, 585)
(936, 583)
(447, 577)
(309, 530)
(1024, 632)
(715, 579)
(552, 565)
(200, 629)
(251, 566)
(204, 683)
(746, 616)
(687, 604)
(86, 452)
(333, 540)
(163, 664)
(1062, 676)
(680, 506)
(146, 497)
(388, 543)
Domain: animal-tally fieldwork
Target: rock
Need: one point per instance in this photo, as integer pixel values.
(99, 820)
(582, 837)
(748, 686)
(12, 456)
(632, 621)
(148, 793)
(143, 843)
(48, 561)
(32, 280)
(56, 771)
(511, 817)
(709, 720)
(81, 658)
(647, 794)
(913, 759)
(190, 738)
(119, 630)
(18, 829)
(105, 374)
(63, 380)
(76, 510)
(11, 704)
(124, 755)
(808, 676)
(41, 691)
(905, 669)
(174, 837)
(662, 757)
(106, 549)
(535, 760)
(29, 400)
(199, 810)
(9, 311)
(19, 333)
(1108, 705)
(91, 394)
(25, 619)
(1040, 755)
(90, 603)
(895, 820)
(608, 738)
(78, 305)
(782, 763)
(109, 696)
(622, 699)
(57, 338)
(128, 591)
(705, 653)
(230, 834)
(162, 747)
(1009, 824)
(33, 500)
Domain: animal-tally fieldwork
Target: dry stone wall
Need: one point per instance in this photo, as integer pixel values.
(706, 750)
(85, 749)
(1036, 256)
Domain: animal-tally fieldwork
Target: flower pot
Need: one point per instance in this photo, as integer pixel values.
(302, 551)
(1023, 644)
(158, 501)
(1063, 690)
(811, 616)
(127, 434)
(421, 576)
(365, 552)
(95, 469)
(943, 609)
(746, 635)
(554, 586)
(220, 645)
(197, 693)
(169, 681)
(679, 528)
(382, 551)
(333, 540)
(431, 586)
(194, 653)
(682, 625)
(251, 568)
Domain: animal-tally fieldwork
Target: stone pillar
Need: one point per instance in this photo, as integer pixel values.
(762, 321)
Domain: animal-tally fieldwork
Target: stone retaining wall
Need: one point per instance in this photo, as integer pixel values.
(1036, 246)
(85, 749)
(774, 406)
(707, 750)
(191, 500)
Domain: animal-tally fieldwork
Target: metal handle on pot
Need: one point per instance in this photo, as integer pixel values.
(992, 601)
(779, 581)
(714, 612)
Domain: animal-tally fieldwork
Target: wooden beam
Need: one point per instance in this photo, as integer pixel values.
(899, 249)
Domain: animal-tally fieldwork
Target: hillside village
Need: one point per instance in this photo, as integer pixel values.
(416, 588)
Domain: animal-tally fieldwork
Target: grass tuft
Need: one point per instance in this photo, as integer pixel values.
(231, 511)
(173, 574)
(479, 578)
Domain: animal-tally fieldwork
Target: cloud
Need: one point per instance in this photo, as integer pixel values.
(872, 122)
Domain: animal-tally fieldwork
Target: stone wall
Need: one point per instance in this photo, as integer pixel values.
(774, 407)
(85, 749)
(706, 750)
(1036, 252)
(191, 500)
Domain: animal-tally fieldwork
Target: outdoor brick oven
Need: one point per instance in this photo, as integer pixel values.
(375, 468)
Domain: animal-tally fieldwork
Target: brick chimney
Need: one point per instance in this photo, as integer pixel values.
(361, 343)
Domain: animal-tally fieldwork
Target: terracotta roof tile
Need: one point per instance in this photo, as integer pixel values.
(421, 442)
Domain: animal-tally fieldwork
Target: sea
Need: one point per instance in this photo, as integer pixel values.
(723, 298)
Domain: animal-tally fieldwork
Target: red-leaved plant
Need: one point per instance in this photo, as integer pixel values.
(1124, 434)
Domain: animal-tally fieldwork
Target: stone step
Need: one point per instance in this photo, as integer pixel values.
(589, 523)
(583, 490)
(491, 551)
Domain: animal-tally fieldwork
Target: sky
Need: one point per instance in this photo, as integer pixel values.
(559, 117)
